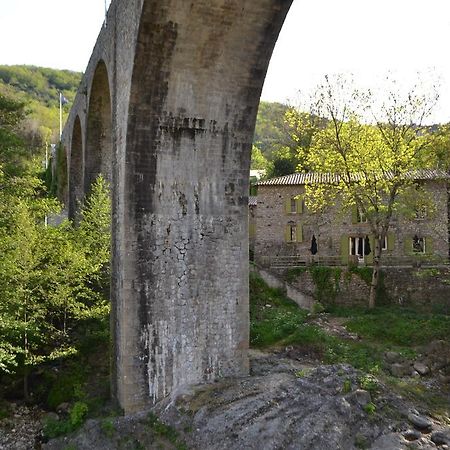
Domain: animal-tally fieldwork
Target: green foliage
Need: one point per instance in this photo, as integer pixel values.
(66, 387)
(51, 278)
(361, 441)
(39, 88)
(40, 83)
(347, 386)
(280, 131)
(292, 274)
(326, 280)
(365, 273)
(302, 373)
(317, 308)
(165, 431)
(54, 428)
(78, 414)
(108, 428)
(272, 316)
(395, 326)
(369, 383)
(370, 408)
(258, 160)
(372, 149)
(60, 180)
(276, 320)
(270, 131)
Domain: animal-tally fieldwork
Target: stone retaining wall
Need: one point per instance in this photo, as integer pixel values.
(428, 287)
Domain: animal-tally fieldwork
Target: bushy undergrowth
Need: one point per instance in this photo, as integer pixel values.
(54, 428)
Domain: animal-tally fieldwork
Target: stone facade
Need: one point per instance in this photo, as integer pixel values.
(281, 232)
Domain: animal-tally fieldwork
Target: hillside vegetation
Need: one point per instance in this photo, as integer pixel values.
(39, 89)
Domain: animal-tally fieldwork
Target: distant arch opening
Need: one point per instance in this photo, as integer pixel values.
(76, 169)
(98, 156)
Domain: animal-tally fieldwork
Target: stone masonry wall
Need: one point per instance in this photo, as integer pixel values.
(426, 287)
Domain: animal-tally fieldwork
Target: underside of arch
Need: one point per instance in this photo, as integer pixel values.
(98, 156)
(181, 309)
(76, 169)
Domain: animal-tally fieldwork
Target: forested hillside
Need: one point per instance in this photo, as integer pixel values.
(38, 88)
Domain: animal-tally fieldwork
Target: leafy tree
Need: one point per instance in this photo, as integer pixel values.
(270, 133)
(374, 162)
(52, 279)
(258, 161)
(440, 151)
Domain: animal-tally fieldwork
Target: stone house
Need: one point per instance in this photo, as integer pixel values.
(286, 233)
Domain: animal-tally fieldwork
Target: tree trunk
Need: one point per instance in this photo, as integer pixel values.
(375, 273)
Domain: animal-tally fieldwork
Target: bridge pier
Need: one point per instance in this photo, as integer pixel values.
(181, 161)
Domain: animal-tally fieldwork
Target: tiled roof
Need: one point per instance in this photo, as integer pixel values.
(329, 178)
(252, 201)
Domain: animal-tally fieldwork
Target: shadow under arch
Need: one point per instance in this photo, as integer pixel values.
(98, 151)
(181, 307)
(76, 176)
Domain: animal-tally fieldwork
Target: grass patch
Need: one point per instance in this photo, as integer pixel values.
(394, 326)
(276, 320)
(273, 317)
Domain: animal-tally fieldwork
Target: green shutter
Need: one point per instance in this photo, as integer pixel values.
(252, 229)
(407, 245)
(287, 233)
(287, 205)
(369, 257)
(354, 214)
(299, 232)
(344, 249)
(299, 202)
(428, 245)
(390, 242)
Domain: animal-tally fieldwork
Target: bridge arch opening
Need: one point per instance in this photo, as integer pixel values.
(99, 152)
(76, 188)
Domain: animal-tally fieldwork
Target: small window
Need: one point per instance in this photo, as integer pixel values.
(356, 246)
(359, 246)
(420, 213)
(418, 244)
(384, 243)
(361, 217)
(292, 233)
(293, 205)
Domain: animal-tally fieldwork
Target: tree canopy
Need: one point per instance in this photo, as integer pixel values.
(374, 150)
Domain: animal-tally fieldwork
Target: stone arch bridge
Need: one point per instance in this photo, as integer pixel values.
(166, 111)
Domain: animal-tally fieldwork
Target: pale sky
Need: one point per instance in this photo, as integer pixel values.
(365, 37)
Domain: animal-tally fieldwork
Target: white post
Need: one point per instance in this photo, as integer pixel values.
(60, 116)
